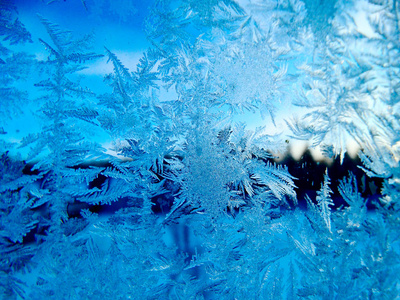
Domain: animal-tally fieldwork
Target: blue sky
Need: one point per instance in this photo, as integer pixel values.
(119, 28)
(118, 25)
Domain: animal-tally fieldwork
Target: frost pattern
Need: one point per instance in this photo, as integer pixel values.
(188, 203)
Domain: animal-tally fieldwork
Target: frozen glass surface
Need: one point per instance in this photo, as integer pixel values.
(199, 149)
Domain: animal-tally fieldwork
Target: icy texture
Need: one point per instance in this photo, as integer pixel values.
(189, 203)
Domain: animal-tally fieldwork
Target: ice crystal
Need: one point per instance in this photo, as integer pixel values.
(182, 201)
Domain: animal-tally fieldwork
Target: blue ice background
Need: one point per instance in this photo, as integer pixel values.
(124, 36)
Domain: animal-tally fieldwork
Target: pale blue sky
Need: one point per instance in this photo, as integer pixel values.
(118, 25)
